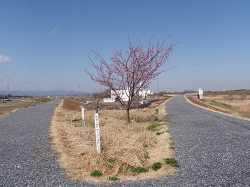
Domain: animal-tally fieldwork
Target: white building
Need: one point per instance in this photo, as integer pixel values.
(144, 94)
(123, 94)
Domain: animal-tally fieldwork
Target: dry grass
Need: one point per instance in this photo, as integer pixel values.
(43, 100)
(12, 106)
(232, 105)
(71, 106)
(240, 102)
(122, 145)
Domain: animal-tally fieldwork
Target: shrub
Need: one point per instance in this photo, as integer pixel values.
(96, 173)
(156, 166)
(172, 162)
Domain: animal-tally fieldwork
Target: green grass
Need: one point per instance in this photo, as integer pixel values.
(160, 120)
(153, 127)
(96, 173)
(113, 179)
(146, 155)
(156, 111)
(138, 169)
(159, 133)
(156, 166)
(172, 162)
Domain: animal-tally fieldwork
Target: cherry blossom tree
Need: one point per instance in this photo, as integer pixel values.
(131, 71)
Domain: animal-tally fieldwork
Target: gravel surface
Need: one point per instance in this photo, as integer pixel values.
(212, 149)
(26, 155)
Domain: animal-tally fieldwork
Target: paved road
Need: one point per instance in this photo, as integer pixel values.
(213, 149)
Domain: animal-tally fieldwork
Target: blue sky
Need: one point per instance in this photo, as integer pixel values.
(42, 43)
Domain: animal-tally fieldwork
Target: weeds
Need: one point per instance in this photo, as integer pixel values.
(153, 127)
(113, 179)
(159, 133)
(138, 169)
(156, 166)
(172, 162)
(146, 155)
(96, 173)
(156, 111)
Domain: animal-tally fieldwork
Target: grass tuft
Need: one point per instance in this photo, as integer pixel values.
(156, 166)
(96, 173)
(172, 162)
(113, 179)
(139, 169)
(156, 111)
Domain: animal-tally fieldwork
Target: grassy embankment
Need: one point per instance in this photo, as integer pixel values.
(12, 106)
(134, 151)
(234, 103)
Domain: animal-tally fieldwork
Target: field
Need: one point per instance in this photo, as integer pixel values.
(12, 106)
(234, 103)
(136, 151)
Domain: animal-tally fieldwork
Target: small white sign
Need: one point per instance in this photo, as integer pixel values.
(83, 117)
(97, 130)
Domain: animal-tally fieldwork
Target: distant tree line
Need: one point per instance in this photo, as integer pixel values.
(13, 96)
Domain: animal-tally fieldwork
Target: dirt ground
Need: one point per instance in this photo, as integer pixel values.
(12, 106)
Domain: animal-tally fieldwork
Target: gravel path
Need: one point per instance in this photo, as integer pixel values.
(26, 155)
(212, 149)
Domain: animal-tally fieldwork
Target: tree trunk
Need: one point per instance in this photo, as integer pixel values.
(128, 117)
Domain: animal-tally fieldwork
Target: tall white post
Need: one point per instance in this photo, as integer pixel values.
(83, 118)
(97, 133)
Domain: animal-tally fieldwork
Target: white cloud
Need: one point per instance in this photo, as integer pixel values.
(10, 67)
(4, 59)
(55, 30)
(24, 68)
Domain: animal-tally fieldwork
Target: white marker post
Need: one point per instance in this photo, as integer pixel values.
(97, 130)
(83, 117)
(200, 92)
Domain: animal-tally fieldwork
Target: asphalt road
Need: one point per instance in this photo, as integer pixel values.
(212, 149)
